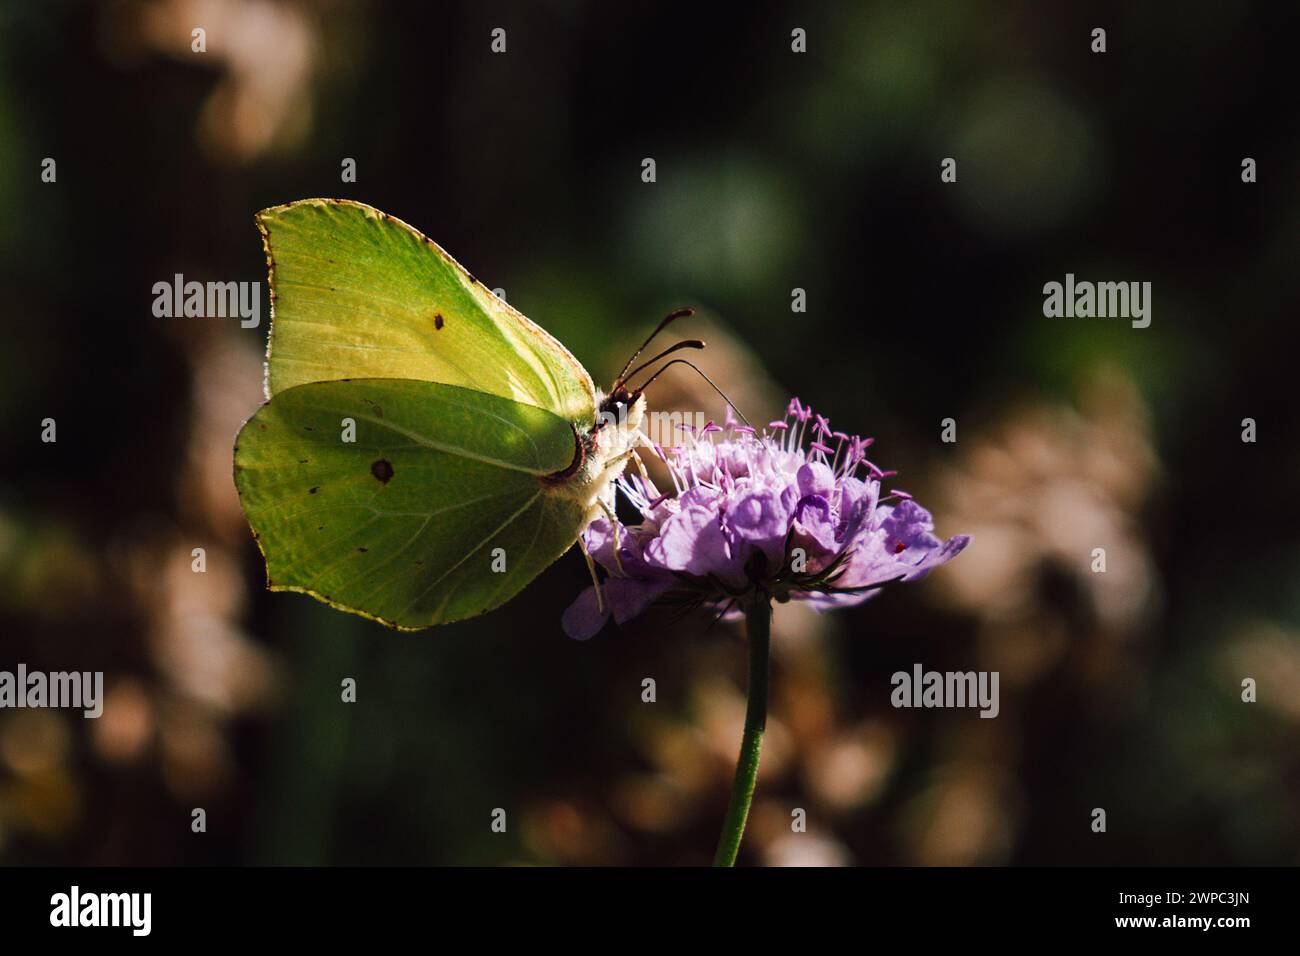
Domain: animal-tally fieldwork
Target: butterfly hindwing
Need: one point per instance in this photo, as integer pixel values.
(437, 509)
(357, 293)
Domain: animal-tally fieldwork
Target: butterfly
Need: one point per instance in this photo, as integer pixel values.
(425, 450)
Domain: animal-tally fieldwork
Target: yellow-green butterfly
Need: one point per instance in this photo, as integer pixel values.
(425, 450)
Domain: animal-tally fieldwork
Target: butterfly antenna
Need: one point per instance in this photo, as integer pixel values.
(686, 344)
(667, 320)
(665, 367)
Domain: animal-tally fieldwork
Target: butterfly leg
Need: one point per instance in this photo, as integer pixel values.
(618, 537)
(633, 455)
(595, 580)
(645, 475)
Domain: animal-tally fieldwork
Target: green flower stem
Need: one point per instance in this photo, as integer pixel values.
(758, 624)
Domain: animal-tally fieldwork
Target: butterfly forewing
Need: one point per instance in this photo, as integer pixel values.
(359, 294)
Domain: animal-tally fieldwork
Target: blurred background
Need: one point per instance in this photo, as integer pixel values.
(775, 171)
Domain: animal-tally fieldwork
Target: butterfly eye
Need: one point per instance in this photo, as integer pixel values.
(615, 407)
(616, 412)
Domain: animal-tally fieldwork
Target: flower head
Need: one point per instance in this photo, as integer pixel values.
(794, 512)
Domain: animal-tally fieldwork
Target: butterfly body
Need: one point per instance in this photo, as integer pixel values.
(601, 453)
(425, 450)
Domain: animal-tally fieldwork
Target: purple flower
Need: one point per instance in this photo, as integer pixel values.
(782, 512)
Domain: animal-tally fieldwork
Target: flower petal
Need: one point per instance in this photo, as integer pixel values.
(628, 597)
(692, 542)
(814, 531)
(815, 478)
(583, 619)
(759, 518)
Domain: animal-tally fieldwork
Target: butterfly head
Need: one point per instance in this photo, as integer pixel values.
(604, 448)
(620, 405)
(624, 404)
(618, 417)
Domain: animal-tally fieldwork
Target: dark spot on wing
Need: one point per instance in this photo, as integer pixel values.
(438, 321)
(363, 550)
(302, 461)
(312, 491)
(382, 470)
